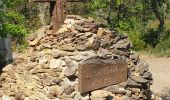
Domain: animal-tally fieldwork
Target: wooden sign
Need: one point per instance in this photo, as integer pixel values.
(96, 73)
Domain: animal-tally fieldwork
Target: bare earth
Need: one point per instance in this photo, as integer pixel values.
(160, 68)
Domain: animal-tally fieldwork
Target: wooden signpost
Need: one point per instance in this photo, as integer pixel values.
(97, 73)
(58, 11)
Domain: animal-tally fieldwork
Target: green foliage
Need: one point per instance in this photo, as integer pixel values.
(17, 19)
(12, 22)
(137, 41)
(133, 18)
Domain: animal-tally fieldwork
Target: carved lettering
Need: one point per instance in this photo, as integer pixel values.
(97, 73)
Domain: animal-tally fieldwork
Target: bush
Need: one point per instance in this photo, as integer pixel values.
(137, 41)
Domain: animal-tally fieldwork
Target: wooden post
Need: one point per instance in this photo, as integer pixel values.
(59, 14)
(58, 11)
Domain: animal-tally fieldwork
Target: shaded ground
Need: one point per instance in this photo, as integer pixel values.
(160, 68)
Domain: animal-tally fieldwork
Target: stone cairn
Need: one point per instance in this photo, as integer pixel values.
(44, 71)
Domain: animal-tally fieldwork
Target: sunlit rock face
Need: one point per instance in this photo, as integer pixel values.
(49, 68)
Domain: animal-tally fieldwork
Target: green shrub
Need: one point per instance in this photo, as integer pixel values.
(137, 41)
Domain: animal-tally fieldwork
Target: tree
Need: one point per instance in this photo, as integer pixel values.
(160, 9)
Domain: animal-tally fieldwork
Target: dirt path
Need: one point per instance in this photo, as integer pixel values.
(160, 68)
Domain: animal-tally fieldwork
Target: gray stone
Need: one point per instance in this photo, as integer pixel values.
(69, 89)
(141, 67)
(79, 28)
(134, 57)
(103, 53)
(88, 34)
(71, 71)
(67, 47)
(147, 75)
(121, 44)
(128, 93)
(55, 63)
(123, 84)
(138, 79)
(132, 83)
(115, 89)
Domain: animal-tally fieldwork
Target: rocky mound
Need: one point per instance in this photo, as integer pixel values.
(44, 71)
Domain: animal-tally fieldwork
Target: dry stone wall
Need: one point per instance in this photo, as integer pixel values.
(49, 68)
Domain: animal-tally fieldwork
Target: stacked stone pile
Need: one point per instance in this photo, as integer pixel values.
(49, 69)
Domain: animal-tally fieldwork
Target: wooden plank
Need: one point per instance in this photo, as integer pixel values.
(97, 73)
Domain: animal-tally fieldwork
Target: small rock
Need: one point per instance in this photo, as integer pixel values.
(62, 30)
(53, 92)
(96, 44)
(88, 34)
(7, 68)
(100, 32)
(89, 20)
(69, 89)
(119, 98)
(134, 57)
(71, 71)
(138, 79)
(66, 47)
(35, 42)
(55, 63)
(100, 94)
(79, 28)
(141, 67)
(147, 75)
(81, 47)
(132, 83)
(69, 21)
(115, 89)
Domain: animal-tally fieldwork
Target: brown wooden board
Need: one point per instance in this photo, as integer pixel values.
(96, 73)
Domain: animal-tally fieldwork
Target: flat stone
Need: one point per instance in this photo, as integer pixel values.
(138, 79)
(115, 89)
(81, 47)
(79, 28)
(69, 89)
(132, 83)
(71, 71)
(89, 20)
(7, 68)
(121, 44)
(38, 70)
(66, 47)
(100, 94)
(134, 57)
(69, 21)
(35, 42)
(62, 30)
(55, 63)
(147, 75)
(53, 92)
(103, 53)
(142, 67)
(88, 34)
(119, 98)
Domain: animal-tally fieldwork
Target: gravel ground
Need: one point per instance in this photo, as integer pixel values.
(160, 68)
